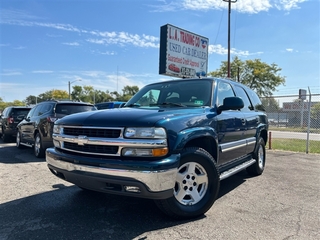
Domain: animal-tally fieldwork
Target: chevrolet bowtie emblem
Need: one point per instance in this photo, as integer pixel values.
(82, 140)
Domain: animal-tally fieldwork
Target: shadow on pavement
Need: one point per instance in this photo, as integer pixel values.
(71, 213)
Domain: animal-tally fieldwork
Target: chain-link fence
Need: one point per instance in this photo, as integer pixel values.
(294, 122)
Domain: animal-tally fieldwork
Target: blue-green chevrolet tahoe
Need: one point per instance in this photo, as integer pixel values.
(173, 141)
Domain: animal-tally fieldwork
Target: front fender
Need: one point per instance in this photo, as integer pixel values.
(193, 134)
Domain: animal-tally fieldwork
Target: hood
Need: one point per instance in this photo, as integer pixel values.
(126, 117)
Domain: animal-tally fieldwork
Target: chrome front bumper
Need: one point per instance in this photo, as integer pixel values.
(154, 180)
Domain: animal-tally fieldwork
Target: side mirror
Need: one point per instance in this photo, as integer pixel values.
(231, 103)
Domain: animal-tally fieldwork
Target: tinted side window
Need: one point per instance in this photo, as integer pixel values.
(5, 112)
(46, 108)
(30, 114)
(256, 102)
(37, 111)
(224, 90)
(243, 95)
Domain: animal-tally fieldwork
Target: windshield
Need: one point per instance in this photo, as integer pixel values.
(186, 93)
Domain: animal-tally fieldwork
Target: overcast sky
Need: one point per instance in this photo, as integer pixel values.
(108, 44)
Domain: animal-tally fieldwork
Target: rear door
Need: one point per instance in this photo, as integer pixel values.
(250, 117)
(28, 125)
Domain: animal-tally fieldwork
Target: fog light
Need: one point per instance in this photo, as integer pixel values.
(143, 152)
(56, 144)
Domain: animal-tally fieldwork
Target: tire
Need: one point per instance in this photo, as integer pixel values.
(5, 137)
(260, 156)
(197, 186)
(38, 147)
(18, 140)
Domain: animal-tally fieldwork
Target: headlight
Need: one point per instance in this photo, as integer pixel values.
(57, 129)
(145, 133)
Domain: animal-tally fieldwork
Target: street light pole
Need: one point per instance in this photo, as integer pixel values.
(69, 84)
(229, 13)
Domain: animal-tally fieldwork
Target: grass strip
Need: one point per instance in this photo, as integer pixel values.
(295, 145)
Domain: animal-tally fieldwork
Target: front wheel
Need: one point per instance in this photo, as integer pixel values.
(260, 156)
(197, 185)
(38, 147)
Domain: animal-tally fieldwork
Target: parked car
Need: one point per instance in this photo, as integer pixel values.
(9, 119)
(108, 105)
(36, 129)
(174, 141)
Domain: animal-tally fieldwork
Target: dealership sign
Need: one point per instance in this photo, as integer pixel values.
(182, 53)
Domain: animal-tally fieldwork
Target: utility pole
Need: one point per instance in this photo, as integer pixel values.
(229, 13)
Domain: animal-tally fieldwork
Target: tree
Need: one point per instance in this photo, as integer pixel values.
(60, 94)
(315, 112)
(115, 95)
(88, 94)
(31, 100)
(79, 93)
(76, 93)
(257, 75)
(128, 92)
(45, 96)
(270, 104)
(3, 105)
(18, 103)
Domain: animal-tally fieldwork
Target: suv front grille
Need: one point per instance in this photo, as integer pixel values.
(100, 141)
(93, 132)
(91, 148)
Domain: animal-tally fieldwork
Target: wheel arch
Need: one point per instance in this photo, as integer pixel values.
(203, 137)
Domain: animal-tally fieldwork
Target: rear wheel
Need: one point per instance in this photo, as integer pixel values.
(5, 137)
(38, 147)
(260, 157)
(18, 140)
(197, 185)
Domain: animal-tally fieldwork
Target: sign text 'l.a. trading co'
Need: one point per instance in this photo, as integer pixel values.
(182, 53)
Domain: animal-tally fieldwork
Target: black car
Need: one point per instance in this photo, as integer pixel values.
(9, 119)
(36, 129)
(173, 141)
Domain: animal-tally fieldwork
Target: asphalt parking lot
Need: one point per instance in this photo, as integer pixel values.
(282, 203)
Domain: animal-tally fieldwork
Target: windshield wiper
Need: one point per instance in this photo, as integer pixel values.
(169, 104)
(133, 105)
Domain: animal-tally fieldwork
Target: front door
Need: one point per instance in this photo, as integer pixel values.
(230, 128)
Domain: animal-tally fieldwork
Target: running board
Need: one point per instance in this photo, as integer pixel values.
(236, 169)
(26, 144)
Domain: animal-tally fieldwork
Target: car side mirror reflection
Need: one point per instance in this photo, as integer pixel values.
(231, 103)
